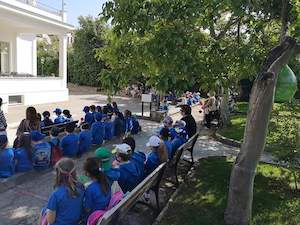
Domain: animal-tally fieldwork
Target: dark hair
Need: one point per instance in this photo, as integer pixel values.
(39, 116)
(92, 167)
(25, 142)
(32, 117)
(85, 126)
(105, 109)
(46, 114)
(70, 128)
(55, 131)
(127, 113)
(66, 175)
(99, 109)
(124, 157)
(130, 141)
(164, 133)
(162, 152)
(93, 108)
(2, 147)
(1, 102)
(114, 104)
(67, 113)
(186, 109)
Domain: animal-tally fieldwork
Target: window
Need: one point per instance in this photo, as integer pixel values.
(4, 57)
(15, 99)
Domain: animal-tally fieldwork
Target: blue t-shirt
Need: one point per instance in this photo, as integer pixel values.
(23, 162)
(98, 131)
(118, 127)
(7, 163)
(85, 141)
(68, 208)
(94, 197)
(152, 162)
(108, 130)
(54, 141)
(176, 143)
(69, 145)
(41, 155)
(89, 118)
(169, 147)
(59, 119)
(129, 176)
(139, 158)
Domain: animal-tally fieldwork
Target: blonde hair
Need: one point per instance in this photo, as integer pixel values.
(66, 175)
(162, 152)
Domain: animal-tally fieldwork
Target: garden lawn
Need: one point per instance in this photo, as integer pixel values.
(202, 199)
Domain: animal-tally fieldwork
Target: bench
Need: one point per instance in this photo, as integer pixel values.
(61, 126)
(173, 163)
(151, 182)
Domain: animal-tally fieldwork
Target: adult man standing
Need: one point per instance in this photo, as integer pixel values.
(191, 126)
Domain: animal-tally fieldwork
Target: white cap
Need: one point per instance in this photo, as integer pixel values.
(123, 149)
(154, 141)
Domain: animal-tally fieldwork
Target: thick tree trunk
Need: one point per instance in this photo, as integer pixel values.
(224, 109)
(239, 207)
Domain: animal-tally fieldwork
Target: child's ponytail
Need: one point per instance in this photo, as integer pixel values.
(162, 153)
(93, 168)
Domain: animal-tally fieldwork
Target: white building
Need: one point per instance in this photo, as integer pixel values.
(20, 23)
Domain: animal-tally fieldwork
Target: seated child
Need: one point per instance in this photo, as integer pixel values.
(98, 130)
(137, 157)
(68, 116)
(168, 123)
(93, 111)
(65, 203)
(129, 173)
(69, 143)
(56, 151)
(88, 118)
(108, 126)
(157, 155)
(23, 154)
(98, 193)
(6, 158)
(41, 151)
(118, 124)
(164, 135)
(47, 120)
(85, 138)
(59, 118)
(132, 126)
(164, 106)
(115, 107)
(181, 136)
(98, 111)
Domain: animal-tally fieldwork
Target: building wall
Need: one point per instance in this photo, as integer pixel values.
(10, 37)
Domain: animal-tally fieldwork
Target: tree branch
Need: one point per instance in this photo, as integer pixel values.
(231, 21)
(284, 19)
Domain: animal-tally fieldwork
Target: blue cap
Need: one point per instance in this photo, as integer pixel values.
(86, 109)
(3, 139)
(37, 136)
(57, 111)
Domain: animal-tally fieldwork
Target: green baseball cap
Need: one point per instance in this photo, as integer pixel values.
(104, 154)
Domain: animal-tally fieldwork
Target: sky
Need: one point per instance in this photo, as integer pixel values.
(76, 8)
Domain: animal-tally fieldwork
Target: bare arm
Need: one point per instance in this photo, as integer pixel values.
(50, 216)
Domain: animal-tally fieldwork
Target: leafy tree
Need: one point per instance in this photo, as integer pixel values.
(48, 57)
(83, 66)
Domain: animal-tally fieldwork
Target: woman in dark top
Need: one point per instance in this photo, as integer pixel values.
(191, 126)
(30, 123)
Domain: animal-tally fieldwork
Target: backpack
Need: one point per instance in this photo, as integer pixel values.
(41, 156)
(98, 214)
(56, 153)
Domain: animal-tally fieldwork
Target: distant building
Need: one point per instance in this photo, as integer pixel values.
(21, 23)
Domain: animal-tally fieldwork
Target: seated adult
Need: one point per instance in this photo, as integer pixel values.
(191, 126)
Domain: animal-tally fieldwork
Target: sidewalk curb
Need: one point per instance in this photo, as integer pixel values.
(227, 141)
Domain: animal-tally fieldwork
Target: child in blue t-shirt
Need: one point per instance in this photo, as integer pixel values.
(88, 117)
(69, 143)
(46, 121)
(181, 136)
(93, 111)
(164, 135)
(85, 138)
(117, 124)
(132, 126)
(157, 155)
(98, 130)
(23, 154)
(108, 126)
(41, 151)
(98, 193)
(65, 203)
(129, 173)
(6, 158)
(59, 117)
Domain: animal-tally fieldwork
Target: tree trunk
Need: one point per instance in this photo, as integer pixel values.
(224, 109)
(239, 206)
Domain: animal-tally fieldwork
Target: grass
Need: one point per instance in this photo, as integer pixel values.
(203, 198)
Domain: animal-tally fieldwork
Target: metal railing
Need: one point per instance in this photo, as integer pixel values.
(42, 6)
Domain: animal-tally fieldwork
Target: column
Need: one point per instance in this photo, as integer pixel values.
(63, 59)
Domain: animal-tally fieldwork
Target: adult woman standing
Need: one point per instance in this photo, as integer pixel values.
(3, 124)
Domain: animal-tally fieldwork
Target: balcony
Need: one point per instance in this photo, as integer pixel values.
(40, 5)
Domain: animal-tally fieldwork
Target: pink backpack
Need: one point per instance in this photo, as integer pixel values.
(97, 215)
